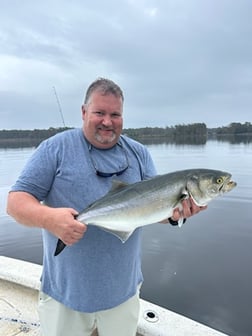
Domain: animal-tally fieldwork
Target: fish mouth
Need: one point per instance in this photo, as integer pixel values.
(227, 185)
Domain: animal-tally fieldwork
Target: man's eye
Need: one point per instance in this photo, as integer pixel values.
(116, 115)
(98, 113)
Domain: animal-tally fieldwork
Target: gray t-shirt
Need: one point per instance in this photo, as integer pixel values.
(99, 272)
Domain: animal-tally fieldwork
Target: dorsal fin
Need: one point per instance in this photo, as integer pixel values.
(117, 186)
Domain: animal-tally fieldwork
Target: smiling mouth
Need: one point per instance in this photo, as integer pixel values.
(106, 133)
(105, 130)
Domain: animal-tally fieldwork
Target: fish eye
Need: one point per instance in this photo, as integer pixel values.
(219, 180)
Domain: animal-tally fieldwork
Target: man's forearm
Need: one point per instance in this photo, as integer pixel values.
(26, 209)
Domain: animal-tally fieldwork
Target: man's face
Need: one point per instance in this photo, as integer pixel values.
(103, 121)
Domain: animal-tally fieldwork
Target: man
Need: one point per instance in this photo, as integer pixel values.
(94, 282)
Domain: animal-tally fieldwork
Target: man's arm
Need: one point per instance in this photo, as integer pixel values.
(27, 210)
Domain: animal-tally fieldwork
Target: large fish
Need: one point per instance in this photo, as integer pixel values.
(128, 206)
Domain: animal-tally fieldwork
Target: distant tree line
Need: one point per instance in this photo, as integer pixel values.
(233, 133)
(235, 128)
(191, 133)
(27, 138)
(178, 133)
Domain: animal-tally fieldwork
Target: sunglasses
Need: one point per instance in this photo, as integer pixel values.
(109, 174)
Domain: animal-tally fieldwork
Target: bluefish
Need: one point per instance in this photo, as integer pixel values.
(129, 206)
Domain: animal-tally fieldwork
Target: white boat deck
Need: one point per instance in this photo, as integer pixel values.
(19, 285)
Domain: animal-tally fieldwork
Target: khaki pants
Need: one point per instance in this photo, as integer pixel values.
(58, 320)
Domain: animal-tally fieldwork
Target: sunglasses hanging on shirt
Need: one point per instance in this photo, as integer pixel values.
(109, 174)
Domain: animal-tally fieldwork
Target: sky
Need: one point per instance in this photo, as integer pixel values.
(177, 61)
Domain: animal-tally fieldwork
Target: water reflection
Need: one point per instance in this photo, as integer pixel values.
(235, 138)
(198, 140)
(203, 269)
(188, 140)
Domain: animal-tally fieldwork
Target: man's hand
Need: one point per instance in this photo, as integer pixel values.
(62, 223)
(189, 208)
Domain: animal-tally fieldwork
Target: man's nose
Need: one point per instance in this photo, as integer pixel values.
(107, 121)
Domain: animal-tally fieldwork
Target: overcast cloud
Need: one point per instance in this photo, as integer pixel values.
(177, 61)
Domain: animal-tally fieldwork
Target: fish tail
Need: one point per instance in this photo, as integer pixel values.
(59, 248)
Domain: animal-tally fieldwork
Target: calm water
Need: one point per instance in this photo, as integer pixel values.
(202, 270)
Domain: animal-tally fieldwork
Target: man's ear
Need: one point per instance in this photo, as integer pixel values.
(83, 111)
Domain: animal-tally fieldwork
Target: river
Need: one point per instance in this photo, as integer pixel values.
(202, 270)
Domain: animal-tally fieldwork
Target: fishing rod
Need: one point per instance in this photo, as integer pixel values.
(59, 106)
